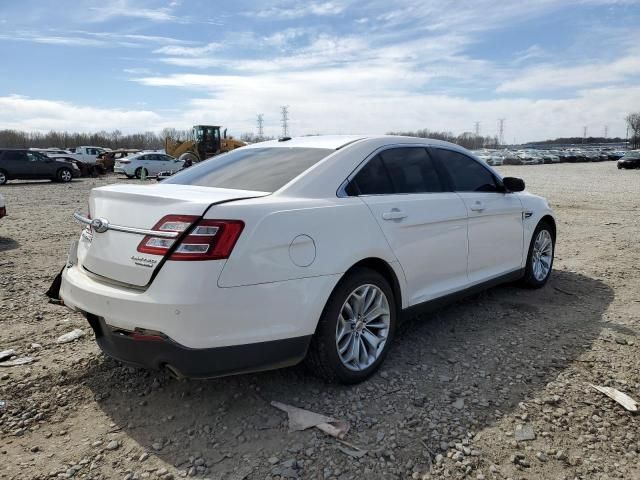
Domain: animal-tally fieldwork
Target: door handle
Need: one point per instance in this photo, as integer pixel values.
(394, 214)
(477, 207)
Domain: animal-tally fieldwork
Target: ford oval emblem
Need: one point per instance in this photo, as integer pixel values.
(99, 225)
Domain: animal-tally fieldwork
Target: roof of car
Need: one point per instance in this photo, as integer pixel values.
(335, 142)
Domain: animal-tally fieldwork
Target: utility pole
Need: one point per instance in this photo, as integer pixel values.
(284, 112)
(606, 131)
(260, 125)
(584, 133)
(477, 132)
(501, 130)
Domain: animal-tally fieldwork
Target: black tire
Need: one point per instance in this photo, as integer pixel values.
(323, 358)
(139, 172)
(4, 178)
(64, 175)
(529, 280)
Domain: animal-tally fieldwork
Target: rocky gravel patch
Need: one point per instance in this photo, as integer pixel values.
(494, 387)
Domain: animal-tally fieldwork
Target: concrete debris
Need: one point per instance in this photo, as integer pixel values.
(71, 336)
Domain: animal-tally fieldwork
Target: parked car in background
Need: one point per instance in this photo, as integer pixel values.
(3, 207)
(147, 164)
(23, 164)
(85, 158)
(308, 247)
(630, 160)
(107, 160)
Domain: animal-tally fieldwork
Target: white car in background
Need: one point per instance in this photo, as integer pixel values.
(3, 207)
(311, 247)
(147, 164)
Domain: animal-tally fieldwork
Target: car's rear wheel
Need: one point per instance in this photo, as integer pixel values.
(540, 257)
(3, 177)
(141, 172)
(64, 175)
(355, 330)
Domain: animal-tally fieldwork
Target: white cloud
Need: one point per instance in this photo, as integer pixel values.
(81, 38)
(551, 77)
(25, 113)
(299, 10)
(178, 50)
(124, 8)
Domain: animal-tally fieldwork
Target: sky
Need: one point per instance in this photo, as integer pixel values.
(548, 67)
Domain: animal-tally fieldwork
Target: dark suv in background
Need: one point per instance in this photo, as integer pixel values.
(23, 164)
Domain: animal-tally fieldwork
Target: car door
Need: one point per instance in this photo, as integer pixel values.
(41, 166)
(18, 164)
(424, 224)
(496, 229)
(166, 163)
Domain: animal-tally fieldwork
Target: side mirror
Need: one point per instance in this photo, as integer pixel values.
(513, 184)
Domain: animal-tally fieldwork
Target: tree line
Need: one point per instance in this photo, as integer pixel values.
(114, 139)
(633, 122)
(467, 139)
(155, 140)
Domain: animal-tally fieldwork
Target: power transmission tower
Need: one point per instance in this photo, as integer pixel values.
(584, 133)
(284, 112)
(477, 128)
(606, 131)
(501, 130)
(260, 125)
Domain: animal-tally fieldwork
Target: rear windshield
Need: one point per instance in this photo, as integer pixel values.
(259, 169)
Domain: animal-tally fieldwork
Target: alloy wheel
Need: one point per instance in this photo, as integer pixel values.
(542, 255)
(362, 327)
(65, 176)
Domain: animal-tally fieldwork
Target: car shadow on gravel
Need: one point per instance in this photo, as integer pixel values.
(454, 371)
(7, 244)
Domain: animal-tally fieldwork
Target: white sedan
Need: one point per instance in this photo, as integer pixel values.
(308, 248)
(147, 164)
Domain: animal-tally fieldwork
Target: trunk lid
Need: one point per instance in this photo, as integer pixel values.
(114, 254)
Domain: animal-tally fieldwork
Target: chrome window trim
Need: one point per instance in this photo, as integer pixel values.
(120, 228)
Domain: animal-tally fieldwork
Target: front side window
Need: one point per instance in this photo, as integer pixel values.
(465, 173)
(397, 171)
(258, 169)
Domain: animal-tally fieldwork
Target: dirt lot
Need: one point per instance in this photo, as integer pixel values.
(455, 387)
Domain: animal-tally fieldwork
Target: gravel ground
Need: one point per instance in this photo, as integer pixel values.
(496, 386)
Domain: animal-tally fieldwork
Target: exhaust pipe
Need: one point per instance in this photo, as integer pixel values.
(173, 372)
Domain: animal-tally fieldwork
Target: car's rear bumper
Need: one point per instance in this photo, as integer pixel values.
(158, 352)
(188, 307)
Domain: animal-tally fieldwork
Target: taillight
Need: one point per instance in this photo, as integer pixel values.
(208, 240)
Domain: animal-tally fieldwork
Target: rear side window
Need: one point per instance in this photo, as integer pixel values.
(14, 155)
(466, 174)
(258, 169)
(372, 179)
(411, 170)
(397, 171)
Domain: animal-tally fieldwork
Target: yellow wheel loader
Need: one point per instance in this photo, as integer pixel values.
(207, 142)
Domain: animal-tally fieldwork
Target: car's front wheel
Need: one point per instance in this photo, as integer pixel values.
(540, 256)
(355, 330)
